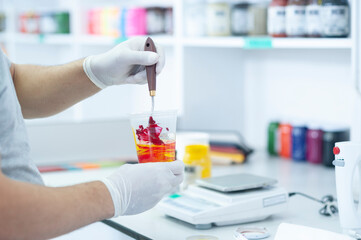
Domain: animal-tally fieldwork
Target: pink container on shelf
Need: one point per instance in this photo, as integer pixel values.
(135, 22)
(94, 21)
(91, 21)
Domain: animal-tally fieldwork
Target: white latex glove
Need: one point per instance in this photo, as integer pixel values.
(123, 64)
(135, 188)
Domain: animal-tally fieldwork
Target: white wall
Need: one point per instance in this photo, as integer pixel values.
(213, 86)
(297, 84)
(87, 141)
(243, 90)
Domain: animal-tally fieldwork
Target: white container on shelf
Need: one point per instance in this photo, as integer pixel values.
(195, 18)
(239, 17)
(155, 20)
(218, 18)
(276, 20)
(335, 20)
(296, 20)
(257, 18)
(313, 20)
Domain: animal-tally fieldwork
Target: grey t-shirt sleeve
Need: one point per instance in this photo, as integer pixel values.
(16, 162)
(7, 60)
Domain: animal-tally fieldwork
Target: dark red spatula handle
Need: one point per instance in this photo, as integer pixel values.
(151, 74)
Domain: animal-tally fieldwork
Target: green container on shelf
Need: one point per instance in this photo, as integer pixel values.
(63, 20)
(273, 139)
(2, 22)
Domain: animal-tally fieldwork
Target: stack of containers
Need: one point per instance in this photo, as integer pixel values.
(309, 18)
(133, 21)
(224, 18)
(278, 18)
(44, 22)
(305, 142)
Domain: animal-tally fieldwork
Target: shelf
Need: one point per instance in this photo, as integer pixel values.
(53, 39)
(269, 43)
(320, 43)
(68, 39)
(225, 42)
(166, 40)
(107, 41)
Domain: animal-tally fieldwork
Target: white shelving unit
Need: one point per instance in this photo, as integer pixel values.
(69, 39)
(232, 83)
(165, 40)
(268, 43)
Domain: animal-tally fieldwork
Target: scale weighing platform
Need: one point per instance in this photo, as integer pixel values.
(204, 207)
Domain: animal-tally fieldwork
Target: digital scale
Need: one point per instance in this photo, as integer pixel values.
(204, 207)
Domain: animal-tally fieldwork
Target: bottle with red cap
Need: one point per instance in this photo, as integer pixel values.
(276, 22)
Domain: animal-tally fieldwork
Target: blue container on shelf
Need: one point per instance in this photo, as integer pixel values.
(299, 132)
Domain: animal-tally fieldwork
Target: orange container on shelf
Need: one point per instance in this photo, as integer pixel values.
(285, 140)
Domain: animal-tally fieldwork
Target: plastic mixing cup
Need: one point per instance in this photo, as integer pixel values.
(155, 135)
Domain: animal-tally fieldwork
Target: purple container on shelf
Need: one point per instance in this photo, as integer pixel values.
(314, 138)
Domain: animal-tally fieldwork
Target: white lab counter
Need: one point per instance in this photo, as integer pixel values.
(307, 178)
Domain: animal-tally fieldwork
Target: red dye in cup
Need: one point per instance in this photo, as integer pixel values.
(150, 148)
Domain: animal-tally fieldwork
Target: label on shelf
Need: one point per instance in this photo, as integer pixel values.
(120, 40)
(258, 43)
(41, 38)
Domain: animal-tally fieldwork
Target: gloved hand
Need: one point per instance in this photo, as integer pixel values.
(135, 188)
(124, 64)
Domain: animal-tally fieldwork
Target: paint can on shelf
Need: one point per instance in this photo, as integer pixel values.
(331, 135)
(299, 131)
(314, 144)
(273, 138)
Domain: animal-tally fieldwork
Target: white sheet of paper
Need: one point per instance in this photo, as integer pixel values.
(95, 231)
(288, 231)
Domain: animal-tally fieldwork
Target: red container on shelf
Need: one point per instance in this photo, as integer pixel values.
(285, 140)
(94, 21)
(29, 23)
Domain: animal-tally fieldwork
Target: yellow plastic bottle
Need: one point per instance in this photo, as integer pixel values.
(198, 155)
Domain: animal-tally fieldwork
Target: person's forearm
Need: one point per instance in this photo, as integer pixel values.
(46, 90)
(36, 212)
